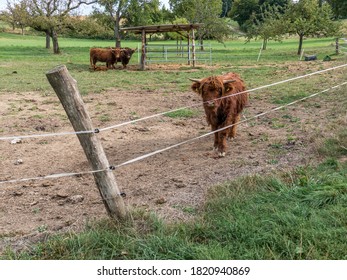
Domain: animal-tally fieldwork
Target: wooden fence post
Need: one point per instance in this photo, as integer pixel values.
(337, 49)
(193, 47)
(143, 50)
(66, 89)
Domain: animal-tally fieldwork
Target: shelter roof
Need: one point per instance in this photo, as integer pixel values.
(162, 28)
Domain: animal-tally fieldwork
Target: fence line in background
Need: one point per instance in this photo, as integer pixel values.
(160, 52)
(178, 53)
(113, 167)
(170, 111)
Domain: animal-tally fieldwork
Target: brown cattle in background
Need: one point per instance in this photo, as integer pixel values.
(125, 56)
(222, 107)
(108, 55)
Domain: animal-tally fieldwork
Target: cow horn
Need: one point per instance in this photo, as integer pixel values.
(228, 81)
(195, 80)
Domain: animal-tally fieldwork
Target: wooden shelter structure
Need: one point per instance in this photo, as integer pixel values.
(179, 28)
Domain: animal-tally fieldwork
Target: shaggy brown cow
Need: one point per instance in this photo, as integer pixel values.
(125, 56)
(221, 109)
(108, 55)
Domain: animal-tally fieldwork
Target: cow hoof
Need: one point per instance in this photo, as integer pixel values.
(221, 154)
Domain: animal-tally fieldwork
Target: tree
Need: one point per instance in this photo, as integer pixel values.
(103, 19)
(269, 24)
(176, 35)
(16, 15)
(306, 18)
(206, 12)
(244, 11)
(281, 3)
(49, 16)
(86, 27)
(143, 12)
(339, 8)
(115, 10)
(226, 6)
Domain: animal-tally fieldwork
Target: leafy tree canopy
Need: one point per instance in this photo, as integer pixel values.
(206, 12)
(244, 11)
(269, 24)
(306, 18)
(143, 12)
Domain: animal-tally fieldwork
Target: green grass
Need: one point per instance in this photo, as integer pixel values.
(300, 214)
(336, 146)
(183, 113)
(303, 219)
(24, 62)
(288, 97)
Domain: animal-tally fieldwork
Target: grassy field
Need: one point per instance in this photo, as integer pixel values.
(24, 62)
(298, 214)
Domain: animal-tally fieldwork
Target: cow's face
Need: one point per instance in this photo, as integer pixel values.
(211, 91)
(131, 51)
(127, 52)
(116, 52)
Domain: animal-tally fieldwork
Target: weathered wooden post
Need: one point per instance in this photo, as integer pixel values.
(66, 89)
(188, 46)
(193, 47)
(143, 50)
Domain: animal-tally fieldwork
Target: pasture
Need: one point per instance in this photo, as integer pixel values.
(184, 183)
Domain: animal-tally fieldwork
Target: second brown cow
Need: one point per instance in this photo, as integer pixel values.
(223, 105)
(125, 56)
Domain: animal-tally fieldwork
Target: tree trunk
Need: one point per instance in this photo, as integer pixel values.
(301, 39)
(56, 49)
(116, 31)
(264, 44)
(201, 44)
(48, 40)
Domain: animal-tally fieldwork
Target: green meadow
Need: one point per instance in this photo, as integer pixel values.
(24, 62)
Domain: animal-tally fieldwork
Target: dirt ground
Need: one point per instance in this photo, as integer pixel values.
(173, 183)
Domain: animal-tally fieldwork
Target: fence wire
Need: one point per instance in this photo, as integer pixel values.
(167, 112)
(114, 167)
